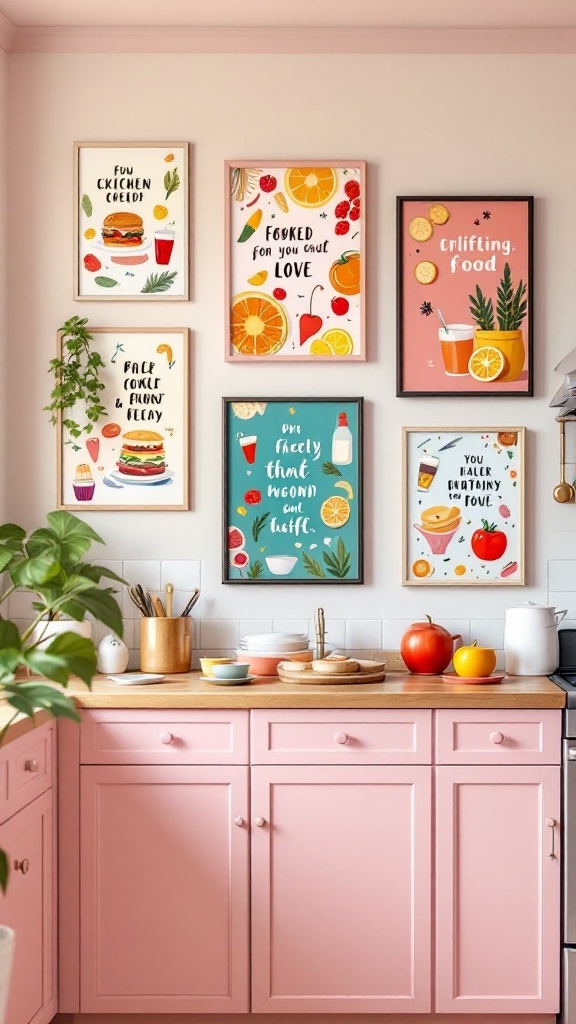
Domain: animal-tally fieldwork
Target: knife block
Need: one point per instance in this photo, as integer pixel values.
(165, 644)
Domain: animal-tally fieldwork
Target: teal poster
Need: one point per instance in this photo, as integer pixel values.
(293, 490)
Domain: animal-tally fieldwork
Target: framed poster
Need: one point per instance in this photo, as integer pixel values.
(293, 490)
(463, 507)
(137, 456)
(131, 220)
(295, 260)
(465, 295)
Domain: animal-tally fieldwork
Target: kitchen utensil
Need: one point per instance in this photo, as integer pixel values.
(271, 648)
(165, 644)
(531, 639)
(145, 599)
(234, 671)
(169, 593)
(207, 664)
(563, 492)
(136, 599)
(191, 603)
(451, 677)
(368, 672)
(320, 626)
(328, 666)
(158, 607)
(442, 320)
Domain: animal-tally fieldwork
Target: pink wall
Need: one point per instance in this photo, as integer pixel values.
(3, 282)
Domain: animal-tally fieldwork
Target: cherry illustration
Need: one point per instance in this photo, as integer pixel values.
(340, 305)
(310, 324)
(279, 293)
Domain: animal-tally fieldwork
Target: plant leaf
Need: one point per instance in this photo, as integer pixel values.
(312, 566)
(338, 562)
(259, 524)
(159, 282)
(105, 282)
(33, 572)
(330, 469)
(255, 570)
(102, 605)
(31, 697)
(87, 205)
(9, 635)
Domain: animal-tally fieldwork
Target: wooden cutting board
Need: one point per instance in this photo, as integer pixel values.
(369, 672)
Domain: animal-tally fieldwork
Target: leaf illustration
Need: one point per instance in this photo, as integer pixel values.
(159, 282)
(87, 205)
(313, 567)
(171, 182)
(106, 282)
(330, 469)
(259, 524)
(255, 570)
(338, 562)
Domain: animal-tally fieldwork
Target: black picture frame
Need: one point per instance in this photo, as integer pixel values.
(485, 201)
(328, 563)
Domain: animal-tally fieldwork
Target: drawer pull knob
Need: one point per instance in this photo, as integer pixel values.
(239, 821)
(260, 822)
(166, 737)
(497, 737)
(31, 765)
(341, 737)
(22, 865)
(551, 822)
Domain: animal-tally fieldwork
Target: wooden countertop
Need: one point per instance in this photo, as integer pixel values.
(398, 690)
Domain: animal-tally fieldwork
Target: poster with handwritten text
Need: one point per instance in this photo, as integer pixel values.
(292, 490)
(465, 295)
(136, 456)
(295, 261)
(464, 506)
(131, 216)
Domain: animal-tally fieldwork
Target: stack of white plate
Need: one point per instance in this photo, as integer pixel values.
(264, 644)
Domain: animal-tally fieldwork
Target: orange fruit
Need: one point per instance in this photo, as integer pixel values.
(421, 229)
(344, 274)
(425, 272)
(310, 186)
(160, 212)
(258, 324)
(335, 511)
(439, 214)
(168, 159)
(486, 363)
(90, 233)
(421, 568)
(459, 570)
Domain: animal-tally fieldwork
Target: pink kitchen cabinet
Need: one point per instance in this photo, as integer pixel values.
(497, 889)
(164, 888)
(341, 888)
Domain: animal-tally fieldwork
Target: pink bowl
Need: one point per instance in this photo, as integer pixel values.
(267, 665)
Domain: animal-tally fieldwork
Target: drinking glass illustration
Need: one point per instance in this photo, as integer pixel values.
(163, 245)
(427, 471)
(248, 446)
(457, 345)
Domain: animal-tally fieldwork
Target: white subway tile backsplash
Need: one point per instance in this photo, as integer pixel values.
(247, 626)
(335, 633)
(219, 633)
(564, 599)
(562, 574)
(184, 575)
(488, 632)
(145, 572)
(363, 633)
(292, 626)
(393, 631)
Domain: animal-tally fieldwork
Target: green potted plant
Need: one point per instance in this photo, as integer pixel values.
(77, 381)
(511, 306)
(49, 562)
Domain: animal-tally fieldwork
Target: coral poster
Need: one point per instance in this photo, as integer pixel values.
(465, 302)
(131, 216)
(136, 456)
(295, 261)
(464, 506)
(292, 490)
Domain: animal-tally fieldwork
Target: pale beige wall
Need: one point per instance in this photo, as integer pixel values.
(3, 281)
(425, 124)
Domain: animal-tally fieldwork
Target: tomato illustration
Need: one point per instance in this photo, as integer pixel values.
(268, 183)
(489, 543)
(252, 497)
(92, 263)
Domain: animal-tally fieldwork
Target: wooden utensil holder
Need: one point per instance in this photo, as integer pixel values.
(165, 644)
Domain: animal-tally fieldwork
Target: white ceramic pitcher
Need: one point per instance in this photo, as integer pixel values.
(531, 639)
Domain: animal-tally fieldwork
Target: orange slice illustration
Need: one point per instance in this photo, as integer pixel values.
(335, 511)
(486, 363)
(310, 186)
(258, 324)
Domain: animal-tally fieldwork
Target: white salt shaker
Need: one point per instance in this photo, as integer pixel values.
(113, 655)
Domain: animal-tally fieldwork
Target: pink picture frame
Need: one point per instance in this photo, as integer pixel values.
(295, 261)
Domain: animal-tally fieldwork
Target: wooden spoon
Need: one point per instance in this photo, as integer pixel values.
(563, 492)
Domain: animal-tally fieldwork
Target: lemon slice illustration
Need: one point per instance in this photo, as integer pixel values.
(486, 363)
(425, 272)
(335, 511)
(421, 229)
(258, 278)
(345, 487)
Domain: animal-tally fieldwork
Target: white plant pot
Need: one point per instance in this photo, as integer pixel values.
(6, 955)
(45, 632)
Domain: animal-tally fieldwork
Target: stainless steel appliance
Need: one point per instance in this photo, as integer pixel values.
(565, 677)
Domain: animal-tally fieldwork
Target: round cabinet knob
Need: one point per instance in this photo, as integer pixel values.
(260, 822)
(31, 765)
(497, 737)
(22, 865)
(166, 737)
(239, 821)
(341, 737)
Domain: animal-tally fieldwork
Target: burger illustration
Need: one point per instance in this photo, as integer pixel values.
(142, 454)
(122, 229)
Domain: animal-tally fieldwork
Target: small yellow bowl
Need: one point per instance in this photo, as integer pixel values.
(207, 664)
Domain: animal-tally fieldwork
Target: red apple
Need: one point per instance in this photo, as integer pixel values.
(427, 648)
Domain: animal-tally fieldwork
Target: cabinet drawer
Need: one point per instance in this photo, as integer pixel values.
(341, 737)
(498, 737)
(164, 737)
(25, 769)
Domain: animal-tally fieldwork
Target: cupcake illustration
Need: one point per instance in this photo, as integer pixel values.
(83, 483)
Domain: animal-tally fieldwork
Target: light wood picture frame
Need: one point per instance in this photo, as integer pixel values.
(463, 506)
(295, 260)
(137, 457)
(131, 221)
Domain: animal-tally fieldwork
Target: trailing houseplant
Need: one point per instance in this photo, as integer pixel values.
(76, 373)
(49, 563)
(511, 307)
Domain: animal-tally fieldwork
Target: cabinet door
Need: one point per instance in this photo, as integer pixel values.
(29, 908)
(341, 889)
(497, 890)
(164, 889)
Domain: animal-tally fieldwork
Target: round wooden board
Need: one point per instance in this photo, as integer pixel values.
(372, 672)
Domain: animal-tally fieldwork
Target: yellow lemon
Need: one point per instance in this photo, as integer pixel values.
(439, 214)
(339, 341)
(160, 212)
(258, 278)
(425, 272)
(241, 510)
(90, 233)
(421, 229)
(335, 511)
(486, 363)
(345, 487)
(320, 348)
